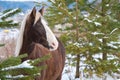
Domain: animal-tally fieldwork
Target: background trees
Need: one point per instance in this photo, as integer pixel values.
(93, 38)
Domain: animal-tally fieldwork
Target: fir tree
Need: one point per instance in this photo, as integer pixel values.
(61, 12)
(13, 68)
(103, 38)
(96, 33)
(4, 22)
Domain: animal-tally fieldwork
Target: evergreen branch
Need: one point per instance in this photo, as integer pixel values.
(6, 11)
(8, 24)
(2, 45)
(12, 68)
(10, 13)
(38, 60)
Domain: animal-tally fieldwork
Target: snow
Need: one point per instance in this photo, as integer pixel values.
(97, 23)
(88, 20)
(8, 37)
(69, 72)
(25, 64)
(92, 21)
(85, 13)
(97, 16)
(91, 44)
(97, 33)
(14, 77)
(77, 44)
(112, 44)
(107, 5)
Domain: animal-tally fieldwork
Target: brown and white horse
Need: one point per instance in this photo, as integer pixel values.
(36, 39)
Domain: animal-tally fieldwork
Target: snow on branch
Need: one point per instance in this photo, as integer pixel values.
(97, 24)
(114, 30)
(92, 21)
(15, 77)
(8, 13)
(112, 44)
(88, 20)
(25, 64)
(97, 33)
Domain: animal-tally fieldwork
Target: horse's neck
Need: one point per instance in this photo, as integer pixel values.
(26, 46)
(28, 40)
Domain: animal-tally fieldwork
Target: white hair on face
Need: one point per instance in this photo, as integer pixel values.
(20, 38)
(53, 42)
(37, 17)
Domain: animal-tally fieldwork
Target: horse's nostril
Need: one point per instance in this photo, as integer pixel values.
(53, 44)
(51, 47)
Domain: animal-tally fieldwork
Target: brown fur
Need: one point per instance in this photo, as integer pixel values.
(36, 46)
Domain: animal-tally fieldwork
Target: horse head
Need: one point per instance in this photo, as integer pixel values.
(35, 29)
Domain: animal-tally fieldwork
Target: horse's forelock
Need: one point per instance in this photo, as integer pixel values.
(37, 17)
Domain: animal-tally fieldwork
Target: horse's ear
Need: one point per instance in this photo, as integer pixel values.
(33, 13)
(42, 10)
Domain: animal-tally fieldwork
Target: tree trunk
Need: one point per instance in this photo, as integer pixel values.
(104, 55)
(77, 75)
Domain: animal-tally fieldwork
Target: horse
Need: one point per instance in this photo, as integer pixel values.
(37, 40)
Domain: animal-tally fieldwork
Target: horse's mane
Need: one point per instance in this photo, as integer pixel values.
(49, 34)
(20, 38)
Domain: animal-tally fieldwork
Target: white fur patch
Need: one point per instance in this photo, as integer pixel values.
(37, 17)
(53, 42)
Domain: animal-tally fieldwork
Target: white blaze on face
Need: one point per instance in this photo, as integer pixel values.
(52, 41)
(37, 17)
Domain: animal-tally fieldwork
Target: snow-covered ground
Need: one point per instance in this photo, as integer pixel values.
(9, 37)
(69, 74)
(69, 71)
